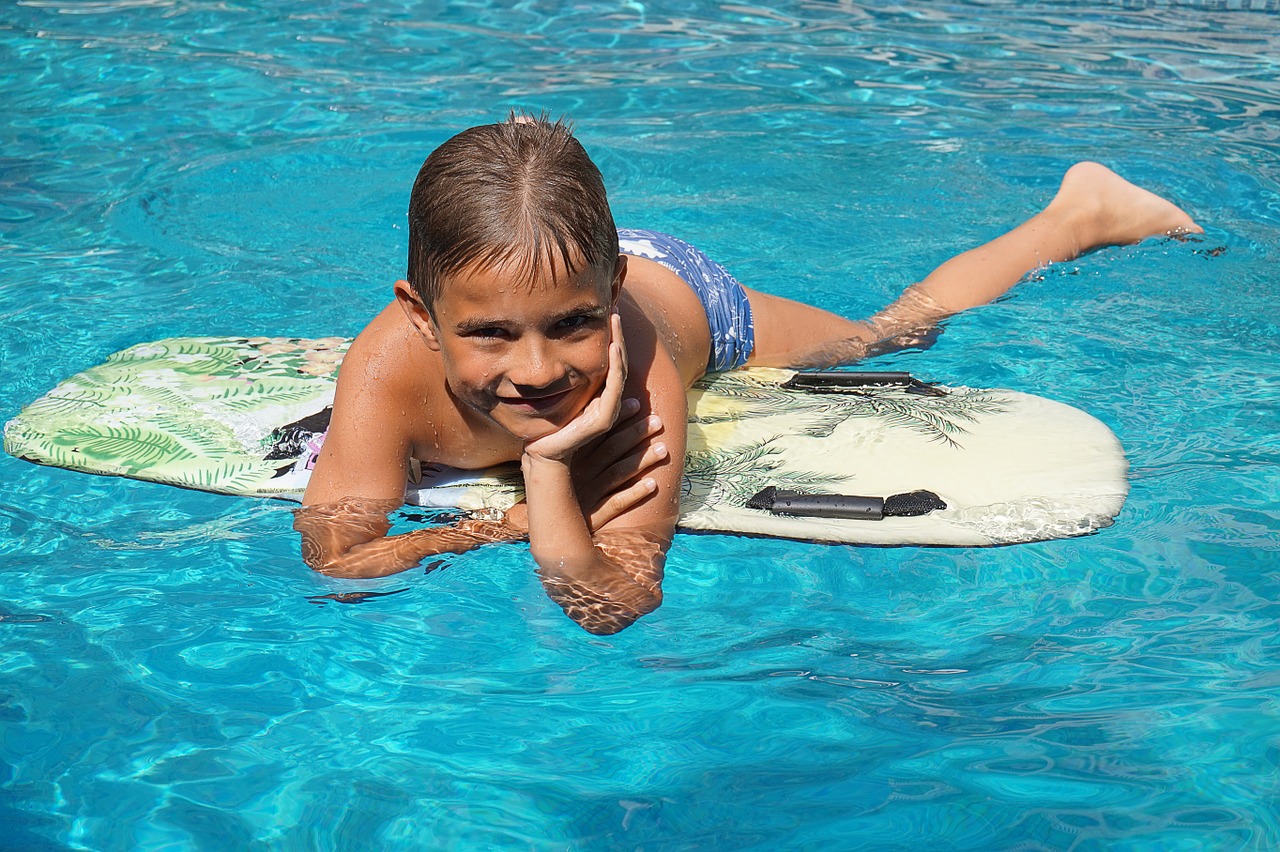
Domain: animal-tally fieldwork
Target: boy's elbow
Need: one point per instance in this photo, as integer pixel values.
(605, 615)
(350, 564)
(315, 555)
(607, 629)
(322, 558)
(606, 621)
(329, 564)
(619, 584)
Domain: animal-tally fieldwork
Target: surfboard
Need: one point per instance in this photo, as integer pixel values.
(247, 415)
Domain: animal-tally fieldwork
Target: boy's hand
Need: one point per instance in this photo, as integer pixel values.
(598, 417)
(606, 455)
(605, 467)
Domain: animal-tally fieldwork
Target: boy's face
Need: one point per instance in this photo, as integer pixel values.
(527, 355)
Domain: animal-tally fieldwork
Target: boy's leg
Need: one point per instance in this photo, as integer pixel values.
(1094, 207)
(793, 334)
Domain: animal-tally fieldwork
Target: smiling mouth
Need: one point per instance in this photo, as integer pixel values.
(536, 404)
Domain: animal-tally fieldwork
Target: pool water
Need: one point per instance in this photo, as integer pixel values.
(173, 677)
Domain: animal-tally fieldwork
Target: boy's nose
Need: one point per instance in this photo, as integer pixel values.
(534, 367)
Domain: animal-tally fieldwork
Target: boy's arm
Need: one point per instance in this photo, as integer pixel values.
(360, 476)
(348, 538)
(361, 473)
(607, 579)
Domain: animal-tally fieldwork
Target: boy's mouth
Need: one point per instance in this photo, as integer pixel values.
(536, 404)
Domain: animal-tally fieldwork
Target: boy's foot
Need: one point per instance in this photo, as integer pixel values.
(1116, 211)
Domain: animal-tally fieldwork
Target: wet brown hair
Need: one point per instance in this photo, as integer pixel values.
(523, 192)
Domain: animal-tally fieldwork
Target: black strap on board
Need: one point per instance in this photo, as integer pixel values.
(841, 381)
(846, 506)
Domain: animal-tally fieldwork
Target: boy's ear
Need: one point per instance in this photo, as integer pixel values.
(619, 276)
(416, 312)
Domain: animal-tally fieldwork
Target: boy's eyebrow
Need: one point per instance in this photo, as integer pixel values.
(467, 325)
(591, 308)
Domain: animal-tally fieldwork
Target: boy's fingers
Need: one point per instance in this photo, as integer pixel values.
(621, 501)
(625, 469)
(600, 415)
(517, 517)
(623, 439)
(622, 344)
(602, 412)
(617, 377)
(605, 488)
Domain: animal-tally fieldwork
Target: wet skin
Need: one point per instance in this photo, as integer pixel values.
(517, 366)
(525, 357)
(505, 368)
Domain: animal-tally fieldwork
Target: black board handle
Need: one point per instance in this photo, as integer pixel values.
(841, 381)
(845, 506)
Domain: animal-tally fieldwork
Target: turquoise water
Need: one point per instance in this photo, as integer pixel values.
(170, 677)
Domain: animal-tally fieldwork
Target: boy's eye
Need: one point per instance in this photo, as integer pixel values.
(576, 321)
(487, 332)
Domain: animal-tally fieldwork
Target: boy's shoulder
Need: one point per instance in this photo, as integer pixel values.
(379, 378)
(391, 390)
(378, 354)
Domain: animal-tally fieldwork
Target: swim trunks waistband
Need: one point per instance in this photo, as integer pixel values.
(723, 298)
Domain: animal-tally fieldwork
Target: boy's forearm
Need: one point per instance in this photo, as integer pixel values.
(589, 583)
(357, 547)
(559, 537)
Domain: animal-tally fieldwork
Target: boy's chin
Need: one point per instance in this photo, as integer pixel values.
(529, 432)
(532, 428)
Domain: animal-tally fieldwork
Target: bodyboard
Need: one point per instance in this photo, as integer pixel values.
(246, 416)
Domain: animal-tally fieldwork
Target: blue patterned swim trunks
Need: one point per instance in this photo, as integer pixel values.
(728, 311)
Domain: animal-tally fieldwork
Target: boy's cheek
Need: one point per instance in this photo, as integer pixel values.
(596, 389)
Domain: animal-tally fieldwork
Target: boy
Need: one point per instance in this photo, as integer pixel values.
(529, 328)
